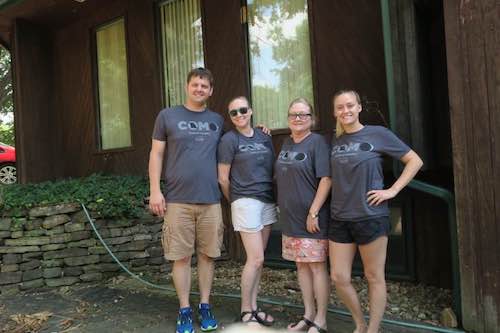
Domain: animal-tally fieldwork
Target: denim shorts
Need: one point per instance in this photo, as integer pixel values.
(359, 232)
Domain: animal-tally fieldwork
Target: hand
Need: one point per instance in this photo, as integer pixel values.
(312, 224)
(376, 197)
(264, 129)
(157, 204)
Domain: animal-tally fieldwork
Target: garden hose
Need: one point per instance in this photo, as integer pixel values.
(261, 300)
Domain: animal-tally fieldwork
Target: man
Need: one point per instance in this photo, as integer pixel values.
(191, 206)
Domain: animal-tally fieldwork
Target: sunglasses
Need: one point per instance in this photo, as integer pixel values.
(301, 116)
(234, 113)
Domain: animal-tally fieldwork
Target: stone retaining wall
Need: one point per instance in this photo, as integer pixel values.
(56, 246)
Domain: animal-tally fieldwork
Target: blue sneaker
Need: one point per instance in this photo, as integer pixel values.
(206, 317)
(185, 321)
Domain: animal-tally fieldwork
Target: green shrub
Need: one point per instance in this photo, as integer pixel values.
(109, 196)
(7, 134)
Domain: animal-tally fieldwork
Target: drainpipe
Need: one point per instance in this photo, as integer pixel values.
(433, 190)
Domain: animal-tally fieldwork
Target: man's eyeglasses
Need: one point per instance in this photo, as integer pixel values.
(234, 112)
(301, 116)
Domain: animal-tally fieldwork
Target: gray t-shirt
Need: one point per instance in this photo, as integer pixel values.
(298, 170)
(356, 164)
(191, 168)
(251, 160)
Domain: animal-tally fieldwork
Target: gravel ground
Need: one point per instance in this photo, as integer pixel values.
(406, 301)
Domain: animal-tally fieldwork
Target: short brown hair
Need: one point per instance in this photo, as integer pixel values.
(201, 72)
(243, 98)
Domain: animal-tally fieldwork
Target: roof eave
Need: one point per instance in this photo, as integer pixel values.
(8, 3)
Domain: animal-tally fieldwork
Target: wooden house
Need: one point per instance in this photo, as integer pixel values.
(90, 77)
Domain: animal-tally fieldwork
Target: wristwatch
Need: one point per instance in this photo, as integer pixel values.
(313, 215)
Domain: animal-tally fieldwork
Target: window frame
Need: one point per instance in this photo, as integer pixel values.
(95, 83)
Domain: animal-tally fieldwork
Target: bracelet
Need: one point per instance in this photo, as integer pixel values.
(313, 215)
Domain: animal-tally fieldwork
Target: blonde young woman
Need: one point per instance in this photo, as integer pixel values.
(303, 179)
(245, 164)
(359, 210)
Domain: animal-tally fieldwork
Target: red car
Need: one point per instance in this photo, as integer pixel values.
(7, 164)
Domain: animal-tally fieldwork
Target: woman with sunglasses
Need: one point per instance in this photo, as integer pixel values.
(303, 178)
(245, 164)
(359, 210)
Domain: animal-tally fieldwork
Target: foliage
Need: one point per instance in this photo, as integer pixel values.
(7, 134)
(280, 57)
(6, 102)
(108, 196)
(278, 11)
(5, 82)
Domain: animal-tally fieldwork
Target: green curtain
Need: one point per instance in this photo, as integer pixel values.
(182, 45)
(114, 110)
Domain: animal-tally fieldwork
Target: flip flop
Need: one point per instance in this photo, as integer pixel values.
(250, 319)
(308, 323)
(264, 321)
(318, 328)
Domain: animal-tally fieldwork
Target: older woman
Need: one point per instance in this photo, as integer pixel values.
(303, 179)
(359, 211)
(245, 164)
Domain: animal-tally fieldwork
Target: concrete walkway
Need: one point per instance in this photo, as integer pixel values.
(124, 305)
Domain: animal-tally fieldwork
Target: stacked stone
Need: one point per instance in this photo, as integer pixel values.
(56, 246)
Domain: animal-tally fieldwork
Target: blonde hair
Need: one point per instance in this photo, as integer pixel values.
(339, 130)
(303, 100)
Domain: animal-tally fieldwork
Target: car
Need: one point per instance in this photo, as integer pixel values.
(7, 164)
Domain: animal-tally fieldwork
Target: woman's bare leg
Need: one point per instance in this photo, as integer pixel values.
(341, 257)
(373, 255)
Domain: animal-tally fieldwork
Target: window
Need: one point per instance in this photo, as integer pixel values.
(182, 45)
(114, 113)
(280, 58)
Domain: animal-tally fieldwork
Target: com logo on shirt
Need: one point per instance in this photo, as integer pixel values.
(199, 126)
(292, 156)
(252, 148)
(351, 148)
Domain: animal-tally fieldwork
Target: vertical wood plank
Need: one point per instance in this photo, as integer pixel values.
(75, 106)
(33, 100)
(349, 53)
(473, 42)
(225, 56)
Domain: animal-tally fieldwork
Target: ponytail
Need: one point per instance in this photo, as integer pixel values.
(339, 129)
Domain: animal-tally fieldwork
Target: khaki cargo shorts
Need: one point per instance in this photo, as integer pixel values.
(187, 226)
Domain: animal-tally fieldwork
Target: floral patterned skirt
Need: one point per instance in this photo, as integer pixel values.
(304, 249)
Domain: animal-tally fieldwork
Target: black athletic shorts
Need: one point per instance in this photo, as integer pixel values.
(359, 232)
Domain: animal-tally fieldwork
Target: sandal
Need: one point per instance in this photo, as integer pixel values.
(318, 328)
(308, 323)
(250, 319)
(264, 321)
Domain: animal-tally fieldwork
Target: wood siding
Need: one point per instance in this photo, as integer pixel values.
(473, 45)
(432, 241)
(422, 121)
(225, 56)
(33, 87)
(347, 52)
(76, 106)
